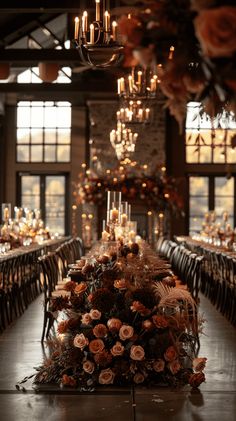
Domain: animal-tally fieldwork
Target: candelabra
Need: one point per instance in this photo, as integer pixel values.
(123, 141)
(138, 85)
(97, 42)
(133, 112)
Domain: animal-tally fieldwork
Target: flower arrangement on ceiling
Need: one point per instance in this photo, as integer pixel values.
(193, 44)
(153, 187)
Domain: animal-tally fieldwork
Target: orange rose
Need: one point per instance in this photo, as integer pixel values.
(174, 366)
(140, 308)
(138, 378)
(88, 367)
(86, 319)
(100, 331)
(159, 365)
(70, 286)
(80, 288)
(103, 358)
(199, 364)
(216, 31)
(170, 354)
(106, 376)
(118, 349)
(96, 346)
(95, 314)
(62, 326)
(160, 321)
(147, 325)
(114, 324)
(120, 284)
(137, 353)
(196, 379)
(80, 341)
(126, 332)
(68, 380)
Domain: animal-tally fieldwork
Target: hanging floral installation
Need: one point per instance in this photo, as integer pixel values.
(193, 44)
(154, 187)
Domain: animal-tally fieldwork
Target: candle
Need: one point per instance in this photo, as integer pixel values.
(122, 84)
(147, 113)
(153, 85)
(118, 86)
(105, 236)
(124, 219)
(76, 27)
(97, 10)
(6, 214)
(132, 235)
(114, 30)
(85, 22)
(130, 80)
(107, 21)
(114, 214)
(171, 52)
(92, 33)
(139, 80)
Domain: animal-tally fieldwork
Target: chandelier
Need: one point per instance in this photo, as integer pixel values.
(97, 42)
(133, 113)
(123, 141)
(138, 85)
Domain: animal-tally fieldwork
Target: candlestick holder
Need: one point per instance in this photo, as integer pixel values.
(6, 212)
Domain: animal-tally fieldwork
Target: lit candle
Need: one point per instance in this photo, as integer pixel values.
(92, 33)
(76, 27)
(153, 85)
(147, 113)
(97, 10)
(118, 87)
(130, 79)
(114, 214)
(107, 21)
(139, 80)
(6, 214)
(85, 22)
(124, 219)
(122, 84)
(114, 30)
(171, 52)
(140, 114)
(132, 235)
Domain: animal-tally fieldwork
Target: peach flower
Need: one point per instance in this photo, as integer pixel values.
(174, 366)
(140, 308)
(86, 319)
(199, 364)
(80, 288)
(70, 286)
(126, 332)
(114, 324)
(138, 378)
(88, 367)
(68, 380)
(120, 284)
(160, 321)
(100, 330)
(95, 314)
(137, 353)
(106, 376)
(216, 31)
(103, 358)
(96, 346)
(196, 379)
(62, 326)
(118, 349)
(170, 354)
(147, 325)
(80, 341)
(159, 365)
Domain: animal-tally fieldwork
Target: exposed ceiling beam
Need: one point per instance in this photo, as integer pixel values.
(28, 57)
(51, 88)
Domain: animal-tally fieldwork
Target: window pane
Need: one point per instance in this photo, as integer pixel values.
(37, 116)
(223, 204)
(50, 118)
(195, 224)
(49, 153)
(63, 153)
(50, 136)
(36, 135)
(30, 202)
(23, 116)
(198, 205)
(30, 184)
(198, 186)
(36, 153)
(23, 136)
(55, 185)
(224, 187)
(63, 136)
(205, 154)
(56, 225)
(22, 153)
(63, 116)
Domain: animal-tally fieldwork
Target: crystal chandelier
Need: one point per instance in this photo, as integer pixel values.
(123, 141)
(97, 42)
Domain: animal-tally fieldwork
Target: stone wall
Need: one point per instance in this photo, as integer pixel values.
(150, 147)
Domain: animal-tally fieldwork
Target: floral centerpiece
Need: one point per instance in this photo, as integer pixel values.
(156, 189)
(123, 329)
(193, 42)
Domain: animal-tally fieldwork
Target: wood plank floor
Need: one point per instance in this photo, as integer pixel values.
(21, 351)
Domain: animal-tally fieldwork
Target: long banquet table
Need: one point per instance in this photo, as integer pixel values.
(218, 280)
(20, 278)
